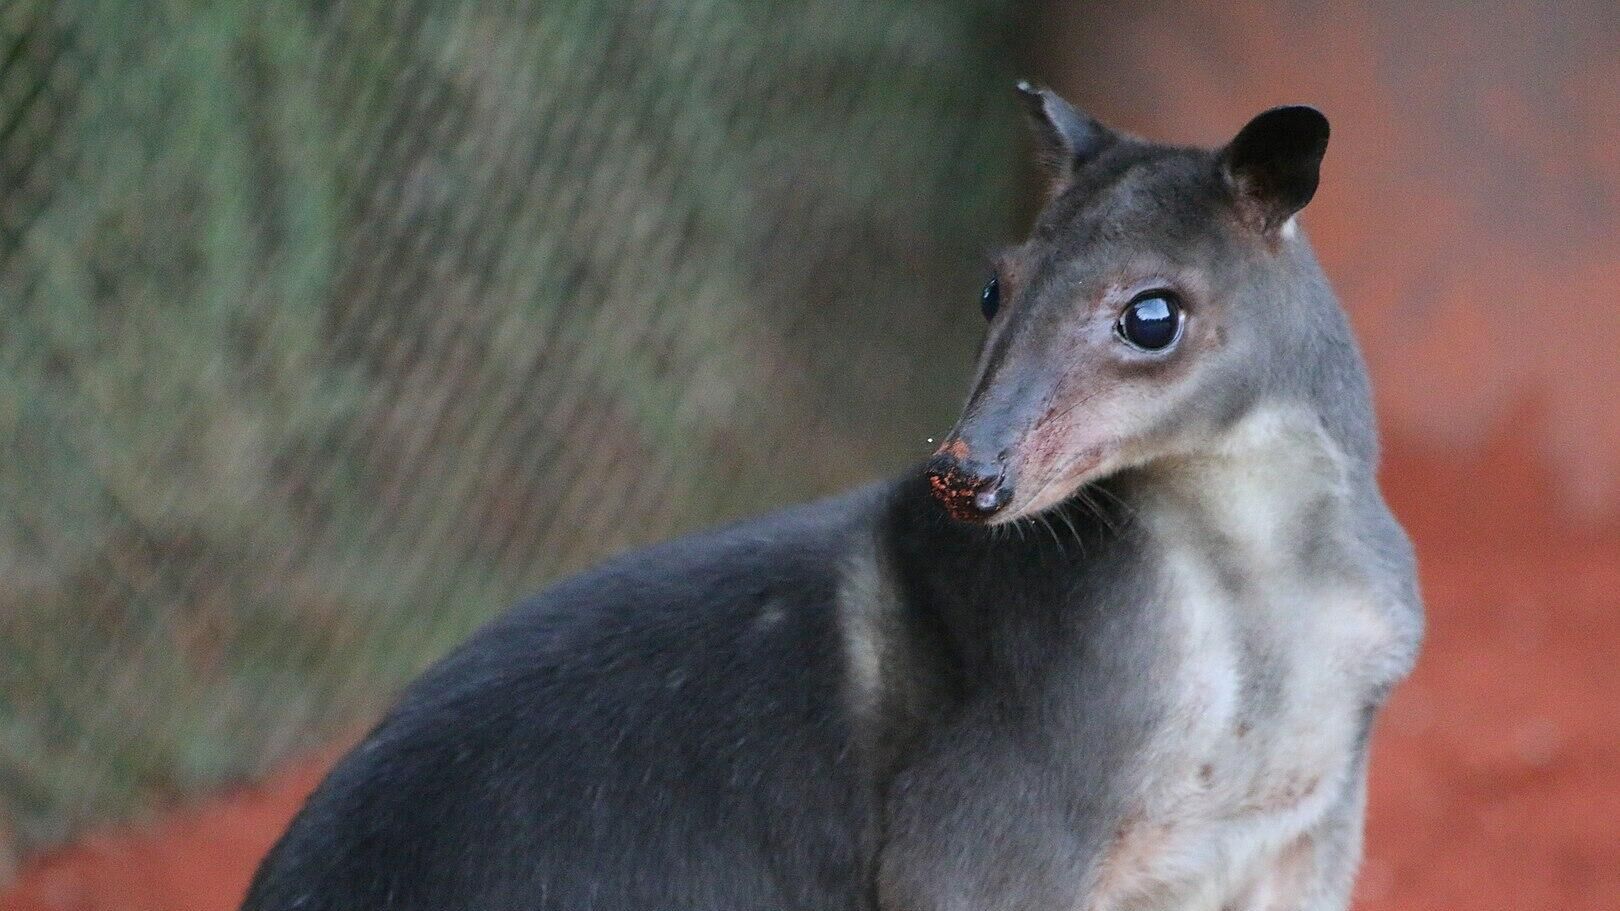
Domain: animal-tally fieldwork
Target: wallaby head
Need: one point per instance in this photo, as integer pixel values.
(1164, 293)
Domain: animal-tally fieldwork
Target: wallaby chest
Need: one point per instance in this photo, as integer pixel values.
(1277, 643)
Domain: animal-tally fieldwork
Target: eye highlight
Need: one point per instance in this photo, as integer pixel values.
(990, 297)
(1151, 322)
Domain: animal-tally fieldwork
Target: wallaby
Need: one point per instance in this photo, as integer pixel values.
(1118, 644)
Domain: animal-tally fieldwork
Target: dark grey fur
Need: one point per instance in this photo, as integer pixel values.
(861, 703)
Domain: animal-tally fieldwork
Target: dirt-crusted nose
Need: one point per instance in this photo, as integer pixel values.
(971, 490)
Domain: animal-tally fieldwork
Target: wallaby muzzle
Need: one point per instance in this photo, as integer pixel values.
(976, 472)
(970, 489)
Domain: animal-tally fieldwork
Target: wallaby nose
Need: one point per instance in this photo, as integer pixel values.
(971, 490)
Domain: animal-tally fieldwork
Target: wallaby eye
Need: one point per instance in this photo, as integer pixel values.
(1151, 322)
(990, 297)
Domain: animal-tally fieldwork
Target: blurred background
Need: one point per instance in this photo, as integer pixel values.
(330, 327)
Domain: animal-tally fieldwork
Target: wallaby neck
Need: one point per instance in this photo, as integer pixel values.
(1274, 483)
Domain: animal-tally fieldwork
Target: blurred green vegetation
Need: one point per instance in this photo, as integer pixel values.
(329, 328)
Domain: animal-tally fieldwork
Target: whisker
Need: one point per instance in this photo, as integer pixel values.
(1076, 404)
(1097, 510)
(1047, 522)
(1116, 498)
(1084, 501)
(1064, 515)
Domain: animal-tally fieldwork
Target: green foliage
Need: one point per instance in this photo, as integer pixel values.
(328, 329)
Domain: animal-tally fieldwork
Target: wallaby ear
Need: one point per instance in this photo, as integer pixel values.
(1065, 139)
(1274, 163)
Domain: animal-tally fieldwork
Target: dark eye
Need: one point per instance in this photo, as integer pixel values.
(1152, 322)
(990, 297)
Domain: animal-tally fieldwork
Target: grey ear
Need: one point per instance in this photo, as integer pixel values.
(1274, 163)
(1065, 138)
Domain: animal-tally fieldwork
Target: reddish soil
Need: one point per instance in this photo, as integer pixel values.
(1496, 780)
(197, 859)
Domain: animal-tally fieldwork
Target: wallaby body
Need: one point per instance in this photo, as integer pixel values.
(1118, 646)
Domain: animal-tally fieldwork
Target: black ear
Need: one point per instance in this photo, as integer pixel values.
(1274, 163)
(1065, 139)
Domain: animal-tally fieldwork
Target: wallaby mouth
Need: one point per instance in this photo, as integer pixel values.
(970, 489)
